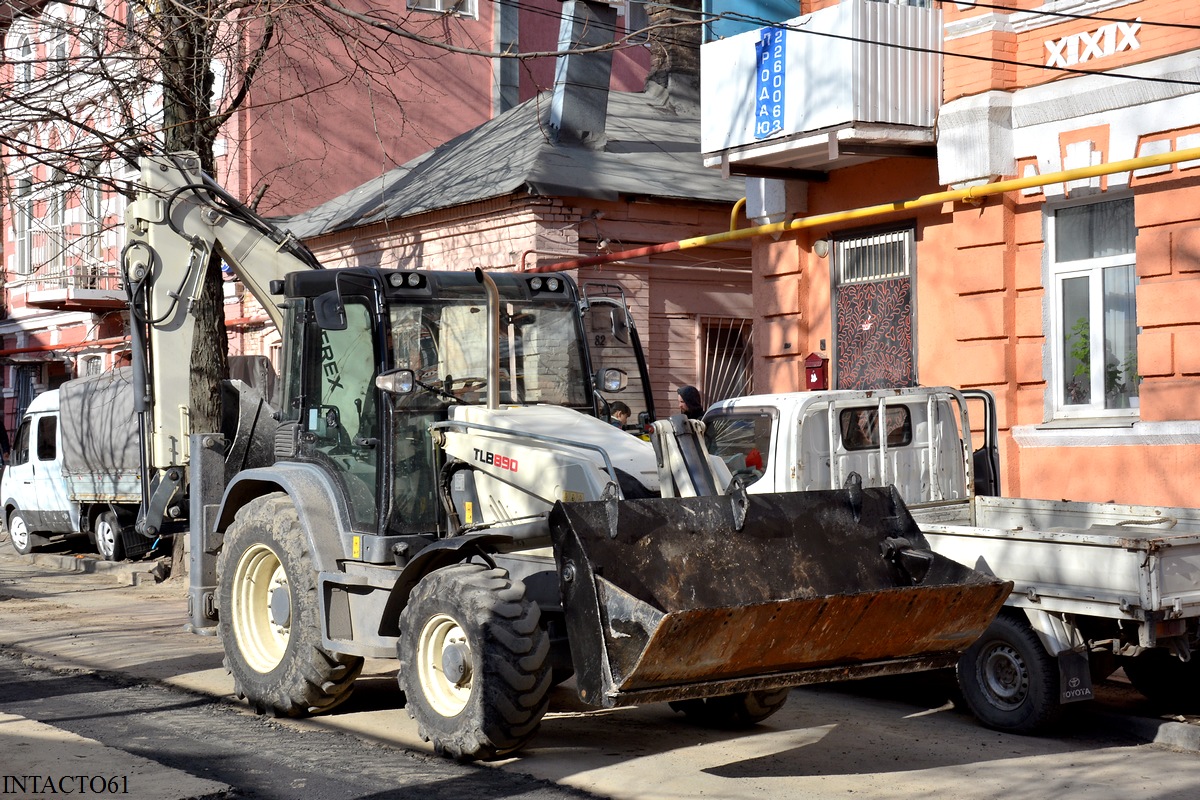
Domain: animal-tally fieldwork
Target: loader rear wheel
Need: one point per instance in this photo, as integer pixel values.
(1008, 680)
(473, 662)
(108, 537)
(732, 711)
(269, 620)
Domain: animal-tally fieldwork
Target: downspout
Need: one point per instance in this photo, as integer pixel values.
(970, 194)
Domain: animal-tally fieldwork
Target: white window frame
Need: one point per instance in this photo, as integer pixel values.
(1093, 269)
(22, 213)
(459, 8)
(55, 225)
(23, 66)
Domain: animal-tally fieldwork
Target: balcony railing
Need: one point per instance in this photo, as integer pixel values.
(82, 287)
(851, 82)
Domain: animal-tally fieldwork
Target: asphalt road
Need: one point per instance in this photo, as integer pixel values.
(118, 654)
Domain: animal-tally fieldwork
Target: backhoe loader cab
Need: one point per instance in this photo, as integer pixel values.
(443, 487)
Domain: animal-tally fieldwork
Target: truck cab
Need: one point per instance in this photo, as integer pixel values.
(34, 492)
(803, 441)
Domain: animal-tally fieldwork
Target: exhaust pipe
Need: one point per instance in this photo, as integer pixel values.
(493, 342)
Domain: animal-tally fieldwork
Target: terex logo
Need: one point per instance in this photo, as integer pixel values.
(496, 460)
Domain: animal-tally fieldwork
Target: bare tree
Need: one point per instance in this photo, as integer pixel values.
(95, 83)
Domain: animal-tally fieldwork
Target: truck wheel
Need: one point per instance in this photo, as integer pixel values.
(732, 711)
(269, 620)
(1165, 679)
(473, 662)
(108, 537)
(18, 532)
(1008, 680)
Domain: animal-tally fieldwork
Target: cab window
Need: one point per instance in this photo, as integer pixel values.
(742, 441)
(47, 438)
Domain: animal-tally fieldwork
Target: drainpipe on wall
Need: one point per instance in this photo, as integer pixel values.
(970, 195)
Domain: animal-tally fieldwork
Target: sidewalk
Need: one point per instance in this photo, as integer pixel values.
(62, 611)
(55, 619)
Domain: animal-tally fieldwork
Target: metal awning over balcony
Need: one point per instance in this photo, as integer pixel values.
(850, 83)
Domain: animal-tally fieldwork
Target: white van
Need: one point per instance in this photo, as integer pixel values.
(34, 492)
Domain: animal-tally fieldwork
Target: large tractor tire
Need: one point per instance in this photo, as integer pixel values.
(269, 620)
(108, 537)
(1166, 680)
(1008, 680)
(732, 711)
(473, 662)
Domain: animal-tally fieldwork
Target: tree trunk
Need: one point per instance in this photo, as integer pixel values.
(188, 80)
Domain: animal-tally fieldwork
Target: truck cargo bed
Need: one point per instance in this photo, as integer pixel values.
(1100, 559)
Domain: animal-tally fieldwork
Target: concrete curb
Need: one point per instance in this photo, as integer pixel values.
(125, 573)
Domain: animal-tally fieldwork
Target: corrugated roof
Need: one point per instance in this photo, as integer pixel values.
(650, 150)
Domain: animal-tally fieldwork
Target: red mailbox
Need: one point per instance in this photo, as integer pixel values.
(816, 372)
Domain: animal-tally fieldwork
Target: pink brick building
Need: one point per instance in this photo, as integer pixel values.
(1076, 303)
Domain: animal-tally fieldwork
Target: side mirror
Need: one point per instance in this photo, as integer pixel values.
(331, 314)
(396, 381)
(612, 380)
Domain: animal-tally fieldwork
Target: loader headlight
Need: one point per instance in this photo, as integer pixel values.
(406, 280)
(540, 284)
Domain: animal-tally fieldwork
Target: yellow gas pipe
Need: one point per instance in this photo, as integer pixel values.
(969, 194)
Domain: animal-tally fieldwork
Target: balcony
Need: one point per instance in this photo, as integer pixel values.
(86, 288)
(844, 85)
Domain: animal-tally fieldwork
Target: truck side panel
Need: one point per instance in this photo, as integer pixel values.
(99, 438)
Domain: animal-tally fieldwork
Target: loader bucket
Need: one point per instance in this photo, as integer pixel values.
(672, 599)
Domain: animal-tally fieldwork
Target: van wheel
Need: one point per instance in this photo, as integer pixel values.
(18, 532)
(732, 711)
(108, 537)
(268, 616)
(1008, 680)
(473, 662)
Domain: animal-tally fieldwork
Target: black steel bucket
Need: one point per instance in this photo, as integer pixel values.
(670, 599)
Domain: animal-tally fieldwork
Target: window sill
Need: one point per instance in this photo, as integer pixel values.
(1110, 432)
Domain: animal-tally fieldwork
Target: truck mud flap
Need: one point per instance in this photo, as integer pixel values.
(669, 599)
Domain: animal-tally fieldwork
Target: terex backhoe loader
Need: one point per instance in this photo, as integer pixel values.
(441, 486)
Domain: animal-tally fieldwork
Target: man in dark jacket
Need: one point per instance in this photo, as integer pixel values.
(689, 402)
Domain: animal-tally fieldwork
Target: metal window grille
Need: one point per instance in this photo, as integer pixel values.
(728, 358)
(874, 257)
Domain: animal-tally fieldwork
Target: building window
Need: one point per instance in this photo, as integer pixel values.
(56, 225)
(91, 365)
(461, 8)
(24, 65)
(1095, 319)
(23, 224)
(728, 358)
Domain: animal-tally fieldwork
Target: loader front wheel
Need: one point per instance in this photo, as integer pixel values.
(473, 662)
(1008, 680)
(268, 616)
(732, 711)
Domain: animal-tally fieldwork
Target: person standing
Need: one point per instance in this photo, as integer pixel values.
(690, 404)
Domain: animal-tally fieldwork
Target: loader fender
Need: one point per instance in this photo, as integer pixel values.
(437, 555)
(323, 514)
